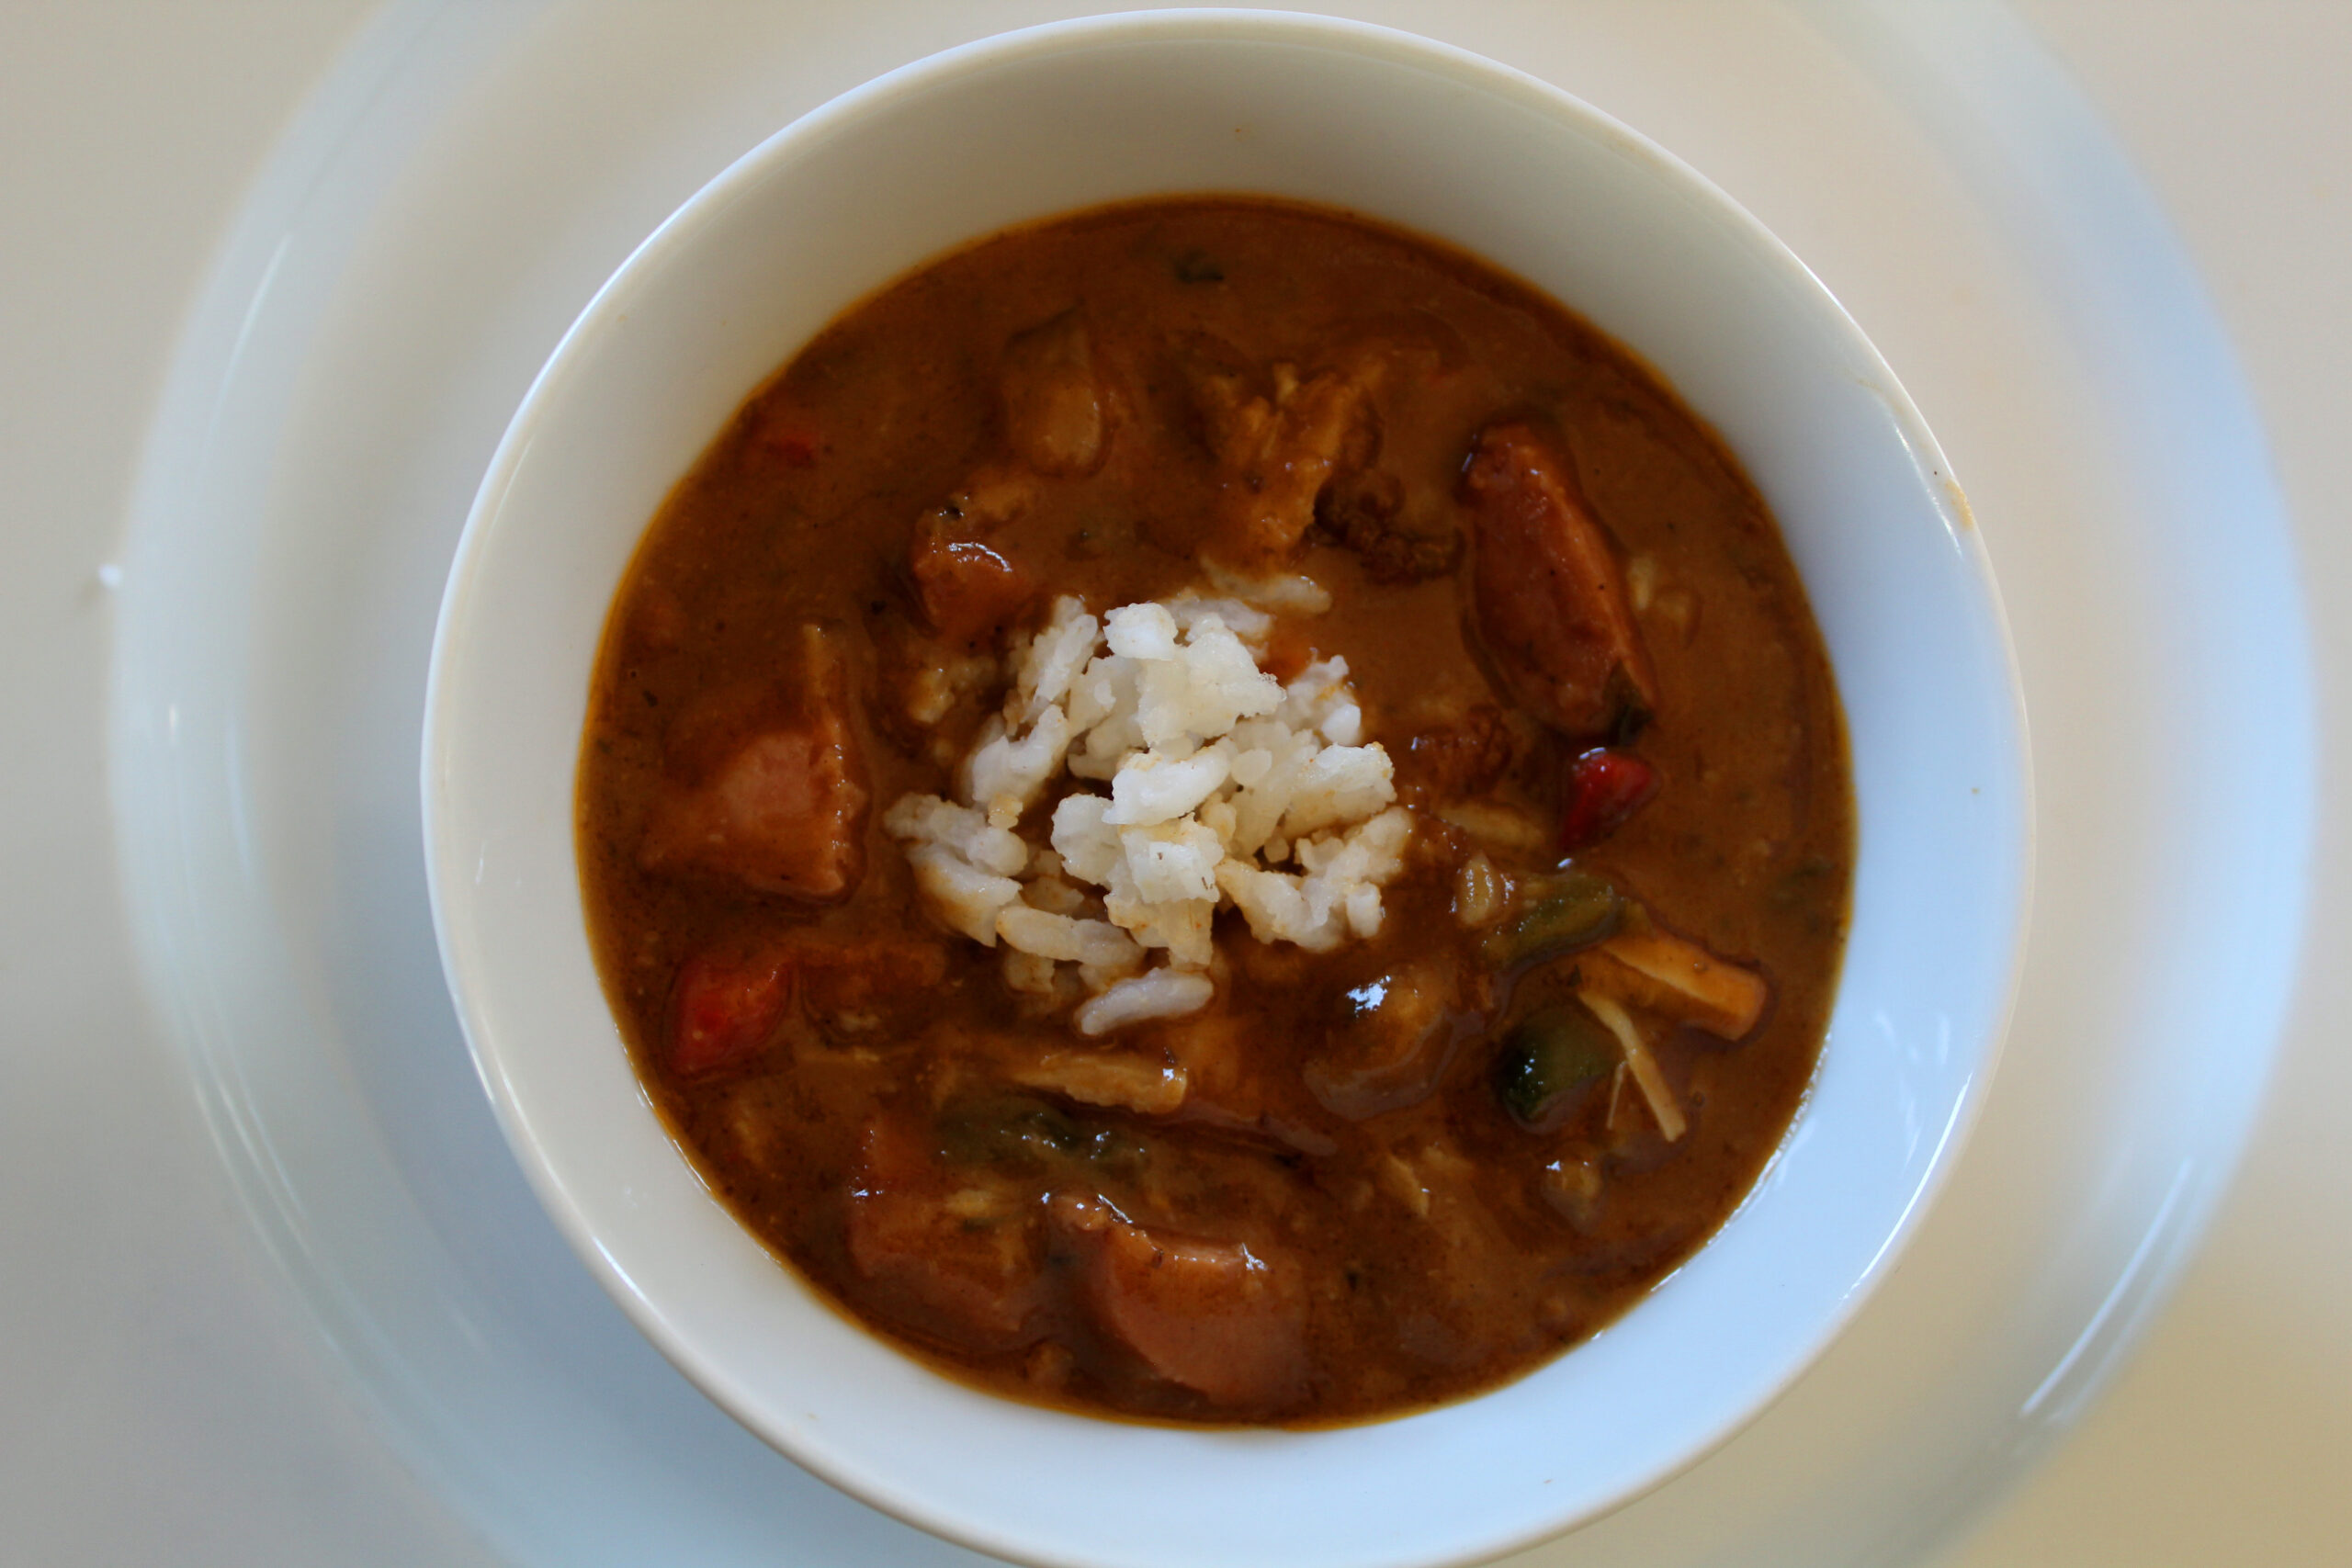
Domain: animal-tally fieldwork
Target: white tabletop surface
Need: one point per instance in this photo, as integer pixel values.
(163, 1397)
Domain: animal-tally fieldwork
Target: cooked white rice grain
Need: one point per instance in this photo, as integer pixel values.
(1028, 973)
(1063, 939)
(1184, 927)
(926, 818)
(1173, 862)
(965, 899)
(1252, 626)
(1141, 631)
(1053, 658)
(1162, 993)
(1338, 784)
(1290, 594)
(1319, 698)
(1276, 905)
(1218, 775)
(1004, 776)
(1089, 846)
(1052, 895)
(1149, 788)
(1100, 977)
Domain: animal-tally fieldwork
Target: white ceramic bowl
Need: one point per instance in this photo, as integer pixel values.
(1065, 117)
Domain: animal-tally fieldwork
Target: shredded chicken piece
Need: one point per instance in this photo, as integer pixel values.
(1280, 452)
(1115, 1080)
(1641, 1064)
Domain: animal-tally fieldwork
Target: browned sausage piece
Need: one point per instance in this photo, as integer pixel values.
(1054, 413)
(962, 1262)
(1213, 1317)
(969, 588)
(1397, 1037)
(785, 811)
(1552, 610)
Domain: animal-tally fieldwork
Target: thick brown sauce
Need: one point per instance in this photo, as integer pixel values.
(1428, 1261)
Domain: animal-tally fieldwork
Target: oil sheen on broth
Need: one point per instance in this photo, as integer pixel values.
(1211, 811)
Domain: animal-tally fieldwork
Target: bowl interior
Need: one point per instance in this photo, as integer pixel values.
(1074, 115)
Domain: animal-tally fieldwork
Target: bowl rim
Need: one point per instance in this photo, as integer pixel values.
(844, 113)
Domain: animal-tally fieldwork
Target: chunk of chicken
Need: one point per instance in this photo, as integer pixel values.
(1120, 1081)
(1653, 968)
(1216, 1317)
(1552, 610)
(1055, 414)
(785, 811)
(961, 1262)
(1277, 453)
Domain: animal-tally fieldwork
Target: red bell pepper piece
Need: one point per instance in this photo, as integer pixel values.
(1604, 788)
(728, 1009)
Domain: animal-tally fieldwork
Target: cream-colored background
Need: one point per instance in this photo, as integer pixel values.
(162, 1397)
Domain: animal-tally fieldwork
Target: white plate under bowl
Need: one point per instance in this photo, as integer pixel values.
(455, 195)
(1066, 116)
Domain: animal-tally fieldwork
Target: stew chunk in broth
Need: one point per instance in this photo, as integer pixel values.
(1211, 811)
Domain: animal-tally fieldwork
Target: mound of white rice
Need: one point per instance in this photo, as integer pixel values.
(1218, 777)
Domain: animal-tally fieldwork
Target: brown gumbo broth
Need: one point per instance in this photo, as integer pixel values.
(1358, 1180)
